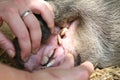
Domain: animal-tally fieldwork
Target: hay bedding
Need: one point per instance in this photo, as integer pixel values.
(110, 73)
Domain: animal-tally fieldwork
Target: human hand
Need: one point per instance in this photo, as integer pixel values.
(26, 28)
(66, 71)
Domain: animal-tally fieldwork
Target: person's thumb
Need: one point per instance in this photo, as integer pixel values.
(68, 61)
(81, 72)
(87, 65)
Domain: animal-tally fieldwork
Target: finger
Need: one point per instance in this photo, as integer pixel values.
(88, 65)
(75, 73)
(46, 14)
(78, 74)
(15, 22)
(81, 72)
(35, 31)
(50, 8)
(7, 45)
(32, 24)
(68, 62)
(48, 18)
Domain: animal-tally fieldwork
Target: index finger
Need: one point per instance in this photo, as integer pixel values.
(46, 13)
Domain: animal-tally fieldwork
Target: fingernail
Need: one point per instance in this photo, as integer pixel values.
(50, 63)
(25, 59)
(45, 60)
(11, 53)
(35, 51)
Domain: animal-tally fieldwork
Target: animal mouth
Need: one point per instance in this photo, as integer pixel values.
(57, 53)
(53, 51)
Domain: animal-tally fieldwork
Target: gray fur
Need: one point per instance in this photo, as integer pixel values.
(99, 29)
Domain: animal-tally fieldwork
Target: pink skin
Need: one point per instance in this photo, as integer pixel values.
(67, 45)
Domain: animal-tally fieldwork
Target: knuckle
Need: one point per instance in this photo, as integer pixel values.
(5, 44)
(2, 42)
(10, 10)
(44, 7)
(24, 37)
(19, 2)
